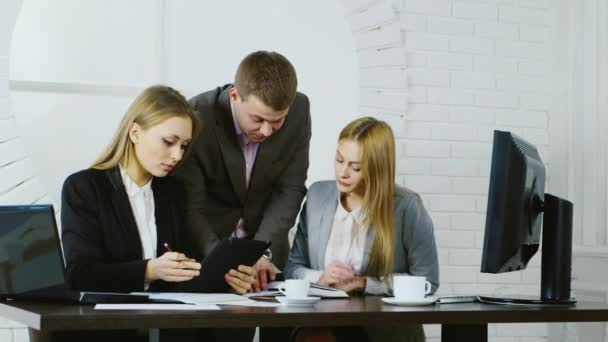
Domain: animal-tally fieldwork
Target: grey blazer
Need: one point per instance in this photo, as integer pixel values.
(415, 248)
(214, 176)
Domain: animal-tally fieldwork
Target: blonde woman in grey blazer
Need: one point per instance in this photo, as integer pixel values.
(356, 232)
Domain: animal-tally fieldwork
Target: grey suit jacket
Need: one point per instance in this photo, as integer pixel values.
(414, 240)
(214, 176)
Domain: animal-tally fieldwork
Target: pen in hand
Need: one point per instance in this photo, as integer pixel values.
(168, 249)
(171, 266)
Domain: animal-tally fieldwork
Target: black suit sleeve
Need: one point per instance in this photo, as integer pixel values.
(191, 174)
(186, 242)
(280, 213)
(84, 243)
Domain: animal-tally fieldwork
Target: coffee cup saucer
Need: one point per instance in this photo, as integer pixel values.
(298, 301)
(410, 302)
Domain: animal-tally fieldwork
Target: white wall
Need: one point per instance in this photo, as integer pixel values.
(101, 42)
(206, 40)
(99, 54)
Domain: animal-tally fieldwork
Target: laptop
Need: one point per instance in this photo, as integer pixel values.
(32, 264)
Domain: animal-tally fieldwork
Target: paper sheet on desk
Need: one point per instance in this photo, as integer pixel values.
(196, 298)
(152, 306)
(270, 293)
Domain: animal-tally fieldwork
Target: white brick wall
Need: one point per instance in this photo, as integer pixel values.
(449, 26)
(384, 99)
(495, 65)
(389, 56)
(472, 66)
(454, 167)
(475, 11)
(373, 15)
(434, 8)
(383, 35)
(447, 61)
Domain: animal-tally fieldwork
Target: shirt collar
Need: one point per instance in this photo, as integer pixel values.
(342, 214)
(237, 128)
(239, 132)
(131, 187)
(244, 139)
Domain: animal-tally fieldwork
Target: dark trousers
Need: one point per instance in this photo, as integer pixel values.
(342, 334)
(166, 335)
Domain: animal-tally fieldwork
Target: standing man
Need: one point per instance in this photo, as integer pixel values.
(245, 178)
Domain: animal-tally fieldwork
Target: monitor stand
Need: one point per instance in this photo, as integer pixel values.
(556, 258)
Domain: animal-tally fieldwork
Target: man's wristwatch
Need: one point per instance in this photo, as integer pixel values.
(268, 254)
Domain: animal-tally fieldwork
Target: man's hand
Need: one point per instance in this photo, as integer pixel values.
(241, 279)
(265, 274)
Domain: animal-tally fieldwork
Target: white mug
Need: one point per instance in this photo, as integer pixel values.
(407, 287)
(295, 288)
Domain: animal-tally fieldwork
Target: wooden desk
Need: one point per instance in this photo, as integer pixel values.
(459, 321)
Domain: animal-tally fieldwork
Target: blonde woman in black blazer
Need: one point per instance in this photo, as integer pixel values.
(103, 228)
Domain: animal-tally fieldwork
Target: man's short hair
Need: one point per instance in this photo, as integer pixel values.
(269, 76)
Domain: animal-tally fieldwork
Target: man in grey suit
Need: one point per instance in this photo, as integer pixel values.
(245, 177)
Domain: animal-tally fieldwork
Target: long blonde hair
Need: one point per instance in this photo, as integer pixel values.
(153, 106)
(378, 170)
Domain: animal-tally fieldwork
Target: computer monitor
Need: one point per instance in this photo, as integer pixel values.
(516, 205)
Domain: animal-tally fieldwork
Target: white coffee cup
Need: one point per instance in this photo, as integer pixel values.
(407, 287)
(295, 288)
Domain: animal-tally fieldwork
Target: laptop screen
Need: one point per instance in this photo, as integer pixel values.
(31, 264)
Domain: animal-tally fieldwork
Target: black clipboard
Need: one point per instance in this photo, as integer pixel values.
(227, 254)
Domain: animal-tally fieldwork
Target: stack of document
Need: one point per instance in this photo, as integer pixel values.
(191, 301)
(196, 298)
(315, 290)
(155, 306)
(210, 301)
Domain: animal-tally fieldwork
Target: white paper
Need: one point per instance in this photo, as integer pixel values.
(270, 293)
(196, 298)
(153, 306)
(255, 303)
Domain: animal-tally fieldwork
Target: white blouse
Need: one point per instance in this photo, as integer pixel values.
(347, 244)
(347, 240)
(142, 205)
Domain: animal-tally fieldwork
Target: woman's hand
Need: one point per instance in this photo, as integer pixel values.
(173, 267)
(336, 272)
(356, 284)
(241, 280)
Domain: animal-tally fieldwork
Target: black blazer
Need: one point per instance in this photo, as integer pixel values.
(214, 176)
(100, 239)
